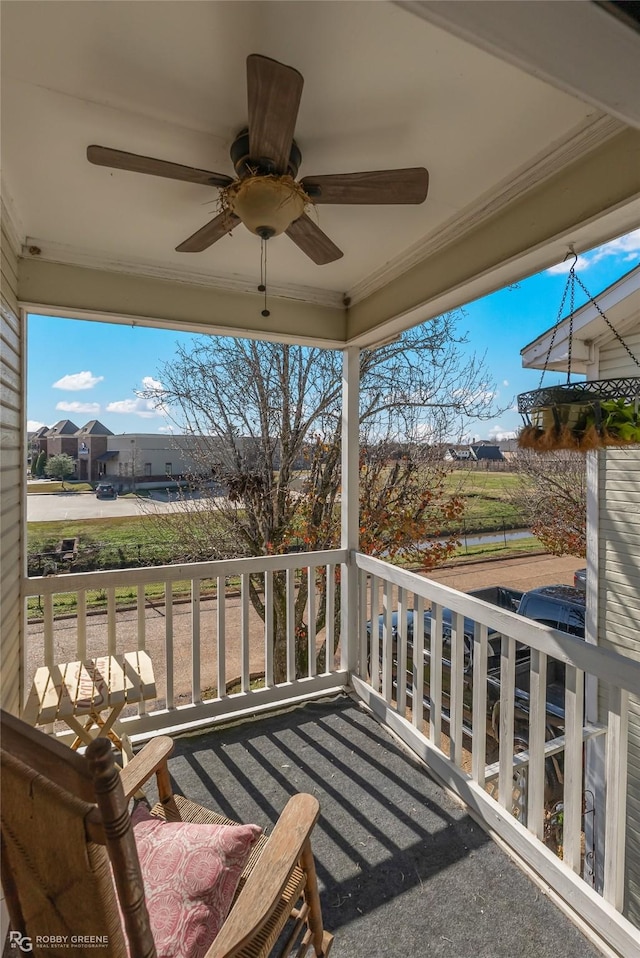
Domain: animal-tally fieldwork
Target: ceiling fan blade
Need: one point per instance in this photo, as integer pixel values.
(205, 237)
(308, 236)
(119, 160)
(381, 186)
(273, 92)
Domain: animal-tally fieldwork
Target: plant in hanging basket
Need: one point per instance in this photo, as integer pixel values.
(620, 422)
(580, 426)
(583, 415)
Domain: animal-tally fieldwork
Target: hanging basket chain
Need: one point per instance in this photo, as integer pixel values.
(555, 329)
(572, 300)
(614, 331)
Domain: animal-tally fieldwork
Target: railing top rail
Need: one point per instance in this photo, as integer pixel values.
(77, 581)
(619, 670)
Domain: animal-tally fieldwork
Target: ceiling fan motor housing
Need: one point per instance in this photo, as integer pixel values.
(246, 165)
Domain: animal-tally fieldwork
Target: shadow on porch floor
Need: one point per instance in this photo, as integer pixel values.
(403, 869)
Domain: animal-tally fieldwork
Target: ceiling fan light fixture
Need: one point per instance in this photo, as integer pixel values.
(267, 205)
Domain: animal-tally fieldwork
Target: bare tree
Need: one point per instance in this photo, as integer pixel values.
(268, 421)
(552, 494)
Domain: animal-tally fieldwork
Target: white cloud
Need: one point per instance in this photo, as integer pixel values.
(167, 429)
(580, 264)
(33, 425)
(133, 407)
(89, 407)
(505, 382)
(499, 433)
(140, 406)
(77, 381)
(627, 248)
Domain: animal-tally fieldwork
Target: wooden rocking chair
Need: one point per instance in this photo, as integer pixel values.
(71, 872)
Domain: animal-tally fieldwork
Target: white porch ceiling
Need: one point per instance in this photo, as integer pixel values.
(384, 88)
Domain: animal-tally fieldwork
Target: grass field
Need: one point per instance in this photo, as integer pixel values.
(131, 541)
(487, 500)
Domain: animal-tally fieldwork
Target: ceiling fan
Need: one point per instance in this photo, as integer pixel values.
(265, 195)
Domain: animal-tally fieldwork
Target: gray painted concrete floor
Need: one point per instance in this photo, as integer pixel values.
(403, 869)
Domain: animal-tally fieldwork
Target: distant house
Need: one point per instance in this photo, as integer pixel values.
(476, 452)
(61, 438)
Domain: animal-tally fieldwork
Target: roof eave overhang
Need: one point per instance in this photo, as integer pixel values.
(620, 303)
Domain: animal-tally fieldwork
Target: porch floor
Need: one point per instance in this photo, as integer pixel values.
(403, 869)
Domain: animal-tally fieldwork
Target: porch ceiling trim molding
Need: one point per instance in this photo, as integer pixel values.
(108, 296)
(562, 43)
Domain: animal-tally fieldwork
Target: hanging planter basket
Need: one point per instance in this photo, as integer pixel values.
(581, 415)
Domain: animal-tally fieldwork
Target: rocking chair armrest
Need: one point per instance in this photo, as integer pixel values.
(268, 878)
(146, 763)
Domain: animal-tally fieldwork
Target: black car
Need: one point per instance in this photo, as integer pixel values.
(106, 490)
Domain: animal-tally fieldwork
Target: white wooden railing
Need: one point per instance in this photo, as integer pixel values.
(454, 739)
(199, 645)
(204, 638)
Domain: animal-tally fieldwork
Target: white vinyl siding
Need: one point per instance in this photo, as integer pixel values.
(11, 475)
(615, 361)
(619, 615)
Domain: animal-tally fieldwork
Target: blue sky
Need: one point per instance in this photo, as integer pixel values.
(88, 370)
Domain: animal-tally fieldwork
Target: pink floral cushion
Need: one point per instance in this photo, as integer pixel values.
(190, 875)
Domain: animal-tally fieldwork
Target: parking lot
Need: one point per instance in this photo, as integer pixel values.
(85, 505)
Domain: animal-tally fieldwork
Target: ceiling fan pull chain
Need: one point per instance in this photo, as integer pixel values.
(262, 288)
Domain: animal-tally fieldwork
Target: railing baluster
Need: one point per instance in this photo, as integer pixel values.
(331, 618)
(435, 676)
(111, 621)
(168, 641)
(375, 651)
(507, 694)
(48, 630)
(221, 635)
(291, 625)
(479, 719)
(196, 692)
(616, 807)
(572, 812)
(311, 619)
(457, 687)
(362, 624)
(81, 624)
(245, 683)
(417, 713)
(142, 633)
(537, 727)
(268, 629)
(387, 642)
(401, 653)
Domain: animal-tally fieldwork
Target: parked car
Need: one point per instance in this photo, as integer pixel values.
(580, 579)
(106, 490)
(559, 606)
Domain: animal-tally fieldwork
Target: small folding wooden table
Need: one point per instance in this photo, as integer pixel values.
(79, 692)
